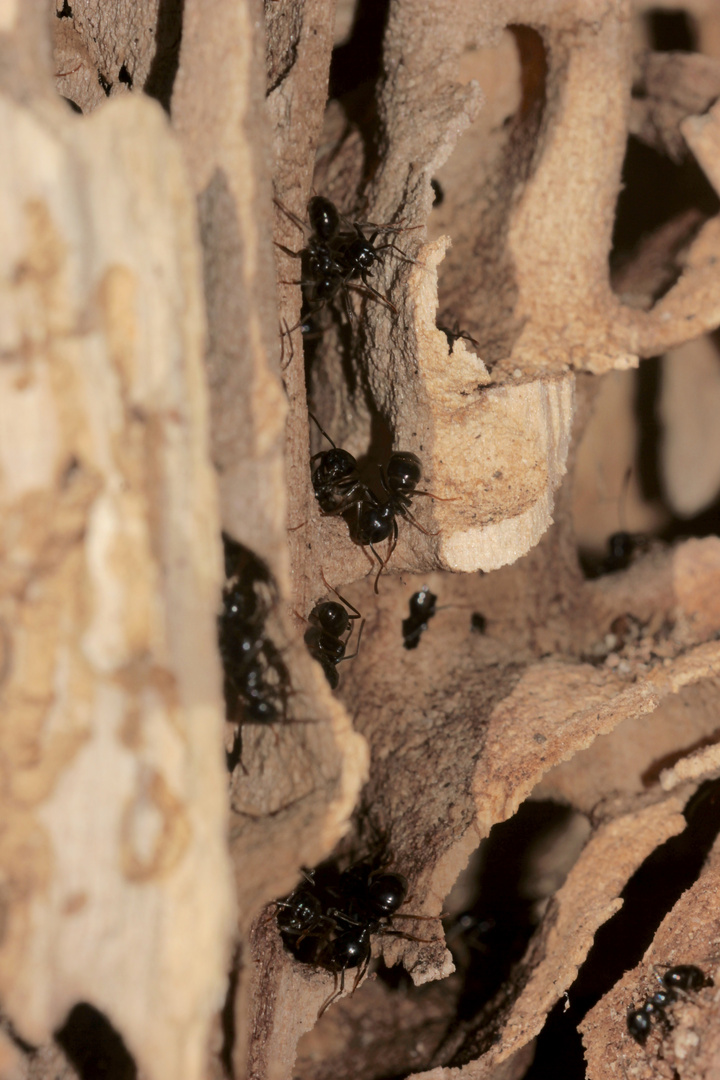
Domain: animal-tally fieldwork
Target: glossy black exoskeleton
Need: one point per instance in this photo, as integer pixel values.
(327, 637)
(374, 520)
(422, 609)
(621, 547)
(335, 478)
(256, 679)
(333, 259)
(334, 929)
(676, 980)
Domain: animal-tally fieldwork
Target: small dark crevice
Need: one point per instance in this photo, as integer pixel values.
(106, 86)
(125, 77)
(227, 1017)
(355, 68)
(65, 12)
(164, 67)
(671, 31)
(94, 1047)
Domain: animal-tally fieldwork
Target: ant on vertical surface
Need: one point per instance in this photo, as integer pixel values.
(422, 609)
(335, 259)
(375, 520)
(679, 979)
(256, 679)
(329, 621)
(335, 478)
(330, 918)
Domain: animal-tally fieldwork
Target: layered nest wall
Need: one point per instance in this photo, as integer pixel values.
(543, 766)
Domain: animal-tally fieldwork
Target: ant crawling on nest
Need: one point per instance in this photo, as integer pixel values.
(256, 678)
(329, 622)
(335, 259)
(422, 608)
(330, 918)
(375, 520)
(679, 979)
(339, 490)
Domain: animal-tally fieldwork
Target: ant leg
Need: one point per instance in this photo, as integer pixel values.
(392, 546)
(289, 251)
(360, 972)
(357, 647)
(322, 432)
(336, 992)
(408, 937)
(414, 522)
(293, 217)
(440, 498)
(347, 603)
(399, 252)
(378, 295)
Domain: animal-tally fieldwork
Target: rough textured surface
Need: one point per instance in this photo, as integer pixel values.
(111, 566)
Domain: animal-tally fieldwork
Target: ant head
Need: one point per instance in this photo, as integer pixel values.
(324, 218)
(333, 466)
(332, 617)
(403, 472)
(386, 893)
(423, 602)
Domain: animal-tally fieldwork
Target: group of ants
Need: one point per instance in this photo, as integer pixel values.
(329, 919)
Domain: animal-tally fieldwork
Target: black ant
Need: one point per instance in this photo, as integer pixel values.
(455, 335)
(256, 679)
(677, 980)
(328, 921)
(329, 621)
(334, 259)
(375, 521)
(622, 545)
(335, 478)
(422, 609)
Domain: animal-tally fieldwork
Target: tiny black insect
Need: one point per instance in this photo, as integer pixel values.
(329, 920)
(422, 609)
(335, 478)
(335, 259)
(678, 979)
(375, 520)
(455, 334)
(325, 637)
(256, 678)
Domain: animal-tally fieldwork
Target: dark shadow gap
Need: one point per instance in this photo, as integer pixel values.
(671, 31)
(656, 190)
(94, 1047)
(168, 36)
